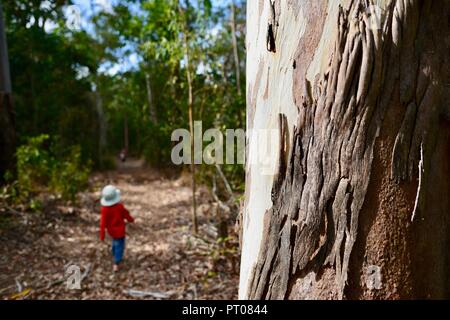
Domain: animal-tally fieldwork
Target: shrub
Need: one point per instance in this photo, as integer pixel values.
(33, 164)
(70, 175)
(9, 193)
(42, 166)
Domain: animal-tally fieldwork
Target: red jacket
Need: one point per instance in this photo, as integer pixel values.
(113, 219)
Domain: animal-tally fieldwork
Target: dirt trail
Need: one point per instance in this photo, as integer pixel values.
(162, 257)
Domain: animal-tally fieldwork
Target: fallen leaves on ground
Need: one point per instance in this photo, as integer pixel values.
(163, 259)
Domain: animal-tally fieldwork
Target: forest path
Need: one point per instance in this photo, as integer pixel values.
(162, 258)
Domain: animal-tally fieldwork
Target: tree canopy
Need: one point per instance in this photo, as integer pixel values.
(92, 75)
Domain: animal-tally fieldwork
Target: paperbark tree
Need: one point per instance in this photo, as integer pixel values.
(350, 199)
(7, 130)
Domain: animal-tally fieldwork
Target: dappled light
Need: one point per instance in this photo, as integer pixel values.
(91, 204)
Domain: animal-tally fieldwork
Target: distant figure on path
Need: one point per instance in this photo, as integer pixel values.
(113, 216)
(123, 155)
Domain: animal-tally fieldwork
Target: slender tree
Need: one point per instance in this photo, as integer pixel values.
(126, 141)
(151, 106)
(187, 59)
(237, 64)
(102, 129)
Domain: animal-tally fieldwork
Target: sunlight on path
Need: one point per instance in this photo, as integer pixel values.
(161, 254)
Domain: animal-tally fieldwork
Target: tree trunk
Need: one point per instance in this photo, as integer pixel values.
(7, 131)
(126, 141)
(101, 125)
(191, 128)
(151, 106)
(237, 64)
(352, 198)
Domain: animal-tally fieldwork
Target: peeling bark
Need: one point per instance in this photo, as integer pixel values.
(322, 193)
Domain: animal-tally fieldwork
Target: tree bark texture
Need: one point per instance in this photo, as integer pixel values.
(357, 204)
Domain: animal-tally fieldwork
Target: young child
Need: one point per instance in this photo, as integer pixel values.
(113, 216)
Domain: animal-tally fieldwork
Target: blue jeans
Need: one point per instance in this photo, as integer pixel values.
(118, 247)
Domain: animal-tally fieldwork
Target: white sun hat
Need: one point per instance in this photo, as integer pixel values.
(110, 196)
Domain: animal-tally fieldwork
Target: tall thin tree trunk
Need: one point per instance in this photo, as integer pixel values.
(351, 199)
(151, 106)
(101, 124)
(7, 131)
(191, 129)
(125, 132)
(235, 48)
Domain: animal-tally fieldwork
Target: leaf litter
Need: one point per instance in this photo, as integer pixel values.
(163, 259)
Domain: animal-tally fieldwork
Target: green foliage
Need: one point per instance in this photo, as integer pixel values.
(9, 193)
(224, 256)
(33, 164)
(69, 175)
(50, 87)
(43, 166)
